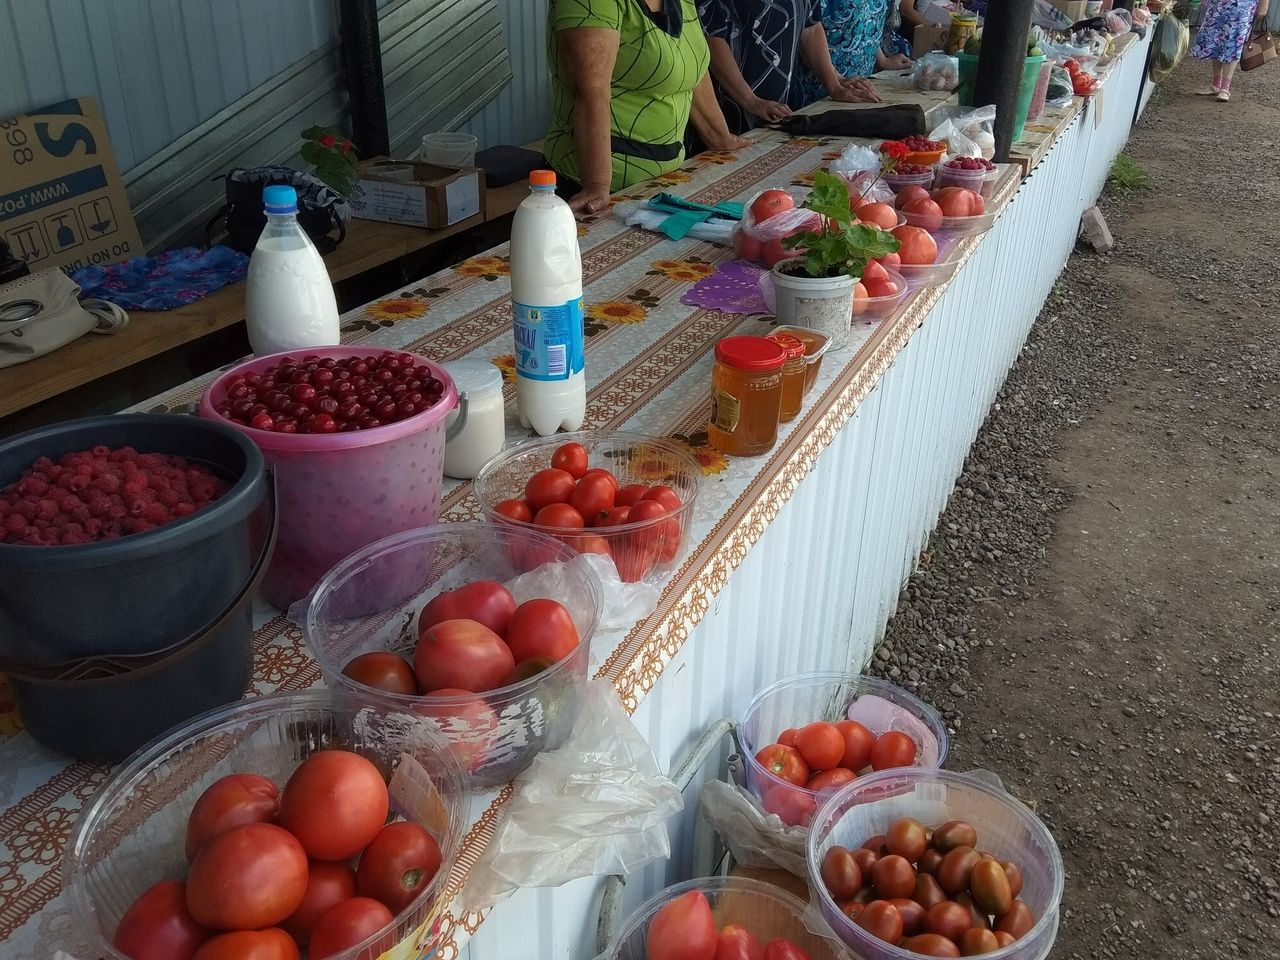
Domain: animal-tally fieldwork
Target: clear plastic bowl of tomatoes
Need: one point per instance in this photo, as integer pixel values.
(643, 468)
(884, 710)
(134, 833)
(875, 308)
(943, 268)
(743, 913)
(865, 810)
(373, 602)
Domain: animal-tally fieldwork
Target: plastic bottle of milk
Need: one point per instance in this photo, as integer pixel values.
(546, 297)
(289, 302)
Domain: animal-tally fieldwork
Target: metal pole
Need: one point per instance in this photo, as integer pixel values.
(362, 57)
(1000, 66)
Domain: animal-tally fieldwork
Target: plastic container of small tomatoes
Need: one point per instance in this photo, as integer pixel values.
(768, 912)
(795, 702)
(132, 835)
(644, 551)
(371, 602)
(1006, 829)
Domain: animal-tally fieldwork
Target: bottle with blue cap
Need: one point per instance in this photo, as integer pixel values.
(289, 301)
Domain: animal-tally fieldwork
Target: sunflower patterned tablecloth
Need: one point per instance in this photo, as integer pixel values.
(648, 370)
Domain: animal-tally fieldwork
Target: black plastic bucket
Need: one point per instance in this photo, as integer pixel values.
(139, 594)
(105, 707)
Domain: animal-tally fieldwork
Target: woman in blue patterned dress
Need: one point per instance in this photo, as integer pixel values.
(1225, 26)
(855, 29)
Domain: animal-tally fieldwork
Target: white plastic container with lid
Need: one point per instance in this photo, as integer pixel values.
(477, 430)
(289, 302)
(546, 299)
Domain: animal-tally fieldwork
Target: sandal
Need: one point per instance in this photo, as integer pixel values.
(1224, 96)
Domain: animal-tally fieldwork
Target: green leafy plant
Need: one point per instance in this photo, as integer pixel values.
(1127, 175)
(842, 246)
(332, 157)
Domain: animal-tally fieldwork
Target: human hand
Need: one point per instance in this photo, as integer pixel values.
(899, 61)
(854, 90)
(593, 198)
(768, 110)
(726, 141)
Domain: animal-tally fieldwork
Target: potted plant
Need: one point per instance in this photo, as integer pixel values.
(332, 157)
(816, 288)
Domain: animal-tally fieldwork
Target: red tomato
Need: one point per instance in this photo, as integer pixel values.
(880, 288)
(665, 496)
(683, 929)
(893, 749)
(335, 803)
(515, 509)
(912, 915)
(549, 486)
(248, 877)
(772, 252)
(948, 919)
(630, 495)
(589, 544)
(462, 654)
(738, 943)
(633, 563)
(959, 202)
(602, 472)
(270, 944)
(613, 517)
(923, 212)
(347, 924)
(158, 925)
(821, 745)
(770, 204)
(746, 247)
(653, 536)
(788, 737)
(398, 865)
(593, 495)
(383, 670)
(791, 805)
(559, 515)
(835, 777)
(571, 458)
(930, 945)
(542, 628)
(880, 918)
(484, 601)
(230, 802)
(468, 725)
(917, 246)
(890, 260)
(328, 884)
(785, 763)
(908, 193)
(873, 271)
(860, 296)
(858, 741)
(784, 950)
(880, 214)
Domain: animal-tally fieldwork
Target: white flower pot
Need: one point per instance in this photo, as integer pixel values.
(821, 303)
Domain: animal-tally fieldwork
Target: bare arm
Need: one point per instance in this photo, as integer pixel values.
(587, 56)
(708, 119)
(909, 15)
(725, 70)
(816, 55)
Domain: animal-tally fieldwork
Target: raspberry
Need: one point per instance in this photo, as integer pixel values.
(156, 513)
(15, 525)
(80, 514)
(184, 509)
(169, 497)
(110, 530)
(92, 527)
(26, 508)
(106, 482)
(117, 512)
(33, 486)
(100, 506)
(101, 451)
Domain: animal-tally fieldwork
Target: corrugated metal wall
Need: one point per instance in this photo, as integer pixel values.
(161, 67)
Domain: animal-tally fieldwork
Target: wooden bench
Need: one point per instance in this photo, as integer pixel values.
(149, 334)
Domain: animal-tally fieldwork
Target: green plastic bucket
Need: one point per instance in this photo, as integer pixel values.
(1030, 74)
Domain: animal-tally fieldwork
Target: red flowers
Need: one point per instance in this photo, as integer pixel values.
(328, 140)
(894, 149)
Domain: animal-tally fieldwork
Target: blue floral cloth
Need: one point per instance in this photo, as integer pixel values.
(854, 31)
(1224, 29)
(171, 279)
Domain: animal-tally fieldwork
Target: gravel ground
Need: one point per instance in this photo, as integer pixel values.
(1096, 613)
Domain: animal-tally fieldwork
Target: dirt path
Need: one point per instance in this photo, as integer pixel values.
(1100, 607)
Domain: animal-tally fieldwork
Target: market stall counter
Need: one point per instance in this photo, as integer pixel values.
(794, 558)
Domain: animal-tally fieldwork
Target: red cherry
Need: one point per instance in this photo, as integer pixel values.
(303, 392)
(262, 421)
(323, 423)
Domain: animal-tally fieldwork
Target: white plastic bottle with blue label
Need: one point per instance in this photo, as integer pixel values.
(546, 300)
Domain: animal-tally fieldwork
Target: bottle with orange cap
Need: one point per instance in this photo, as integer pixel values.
(546, 301)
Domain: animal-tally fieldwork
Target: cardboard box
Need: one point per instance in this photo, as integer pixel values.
(928, 37)
(62, 200)
(417, 194)
(1074, 9)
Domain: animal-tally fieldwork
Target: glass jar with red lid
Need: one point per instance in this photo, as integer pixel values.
(792, 376)
(746, 395)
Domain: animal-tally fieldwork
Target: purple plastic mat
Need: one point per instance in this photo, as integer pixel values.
(734, 288)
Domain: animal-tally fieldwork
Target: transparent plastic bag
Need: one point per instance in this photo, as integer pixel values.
(936, 71)
(760, 242)
(1170, 46)
(1060, 89)
(971, 134)
(855, 159)
(755, 838)
(1119, 21)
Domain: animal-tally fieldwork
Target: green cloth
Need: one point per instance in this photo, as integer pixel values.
(653, 82)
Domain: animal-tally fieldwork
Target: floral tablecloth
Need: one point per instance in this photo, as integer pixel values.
(648, 370)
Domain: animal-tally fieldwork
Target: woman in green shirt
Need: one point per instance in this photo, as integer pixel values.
(627, 77)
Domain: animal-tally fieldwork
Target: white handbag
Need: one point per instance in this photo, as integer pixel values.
(42, 312)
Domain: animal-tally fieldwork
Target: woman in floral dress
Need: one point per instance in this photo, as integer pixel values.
(855, 29)
(1225, 26)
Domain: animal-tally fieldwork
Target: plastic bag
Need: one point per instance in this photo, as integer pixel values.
(761, 243)
(971, 134)
(936, 71)
(1119, 22)
(1059, 91)
(756, 838)
(855, 159)
(597, 806)
(1169, 46)
(638, 213)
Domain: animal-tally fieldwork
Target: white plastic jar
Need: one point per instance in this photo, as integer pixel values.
(477, 429)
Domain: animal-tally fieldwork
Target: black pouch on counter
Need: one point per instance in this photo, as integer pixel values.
(892, 122)
(506, 164)
(321, 209)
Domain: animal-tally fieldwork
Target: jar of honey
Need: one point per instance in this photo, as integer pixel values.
(746, 395)
(792, 376)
